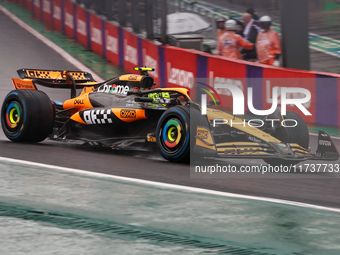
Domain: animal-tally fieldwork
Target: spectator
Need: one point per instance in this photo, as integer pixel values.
(229, 43)
(220, 27)
(253, 13)
(268, 44)
(250, 33)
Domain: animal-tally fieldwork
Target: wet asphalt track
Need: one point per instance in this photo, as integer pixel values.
(19, 49)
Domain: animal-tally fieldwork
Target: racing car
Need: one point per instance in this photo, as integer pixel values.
(126, 110)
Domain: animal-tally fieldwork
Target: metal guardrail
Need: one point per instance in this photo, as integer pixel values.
(143, 15)
(208, 13)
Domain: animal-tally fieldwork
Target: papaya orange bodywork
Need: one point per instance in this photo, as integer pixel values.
(87, 90)
(76, 117)
(78, 103)
(131, 77)
(23, 84)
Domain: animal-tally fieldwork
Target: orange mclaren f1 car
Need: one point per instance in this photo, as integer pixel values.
(124, 111)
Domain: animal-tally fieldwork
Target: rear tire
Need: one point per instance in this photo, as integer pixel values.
(27, 116)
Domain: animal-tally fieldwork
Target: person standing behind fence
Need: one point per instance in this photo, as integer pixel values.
(268, 44)
(220, 27)
(250, 33)
(253, 13)
(229, 43)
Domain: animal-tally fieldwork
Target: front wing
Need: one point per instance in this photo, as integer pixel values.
(206, 146)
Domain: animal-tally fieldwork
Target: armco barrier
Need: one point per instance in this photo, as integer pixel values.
(82, 34)
(70, 17)
(58, 15)
(150, 57)
(29, 5)
(47, 8)
(112, 44)
(97, 31)
(181, 66)
(130, 51)
(36, 9)
(175, 66)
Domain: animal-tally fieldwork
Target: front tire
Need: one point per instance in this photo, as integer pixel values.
(27, 116)
(173, 134)
(298, 134)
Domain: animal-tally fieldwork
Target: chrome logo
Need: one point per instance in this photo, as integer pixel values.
(13, 115)
(172, 133)
(113, 89)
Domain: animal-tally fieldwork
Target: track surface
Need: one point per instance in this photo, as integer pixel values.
(20, 49)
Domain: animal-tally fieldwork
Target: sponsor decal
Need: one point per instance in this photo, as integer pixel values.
(57, 12)
(96, 35)
(69, 20)
(97, 116)
(47, 6)
(254, 139)
(325, 143)
(112, 44)
(180, 77)
(128, 113)
(130, 102)
(220, 83)
(114, 89)
(78, 101)
(81, 27)
(130, 54)
(24, 86)
(133, 77)
(149, 61)
(202, 134)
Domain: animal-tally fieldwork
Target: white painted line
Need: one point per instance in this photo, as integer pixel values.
(80, 66)
(325, 37)
(326, 52)
(166, 185)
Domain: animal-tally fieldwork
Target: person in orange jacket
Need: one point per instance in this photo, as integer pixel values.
(229, 43)
(220, 27)
(268, 45)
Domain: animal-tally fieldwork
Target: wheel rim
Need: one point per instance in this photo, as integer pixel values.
(13, 113)
(172, 136)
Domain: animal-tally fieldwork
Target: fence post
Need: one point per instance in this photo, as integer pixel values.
(295, 41)
(164, 13)
(122, 13)
(135, 15)
(149, 19)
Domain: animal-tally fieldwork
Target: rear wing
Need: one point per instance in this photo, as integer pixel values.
(54, 75)
(54, 79)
